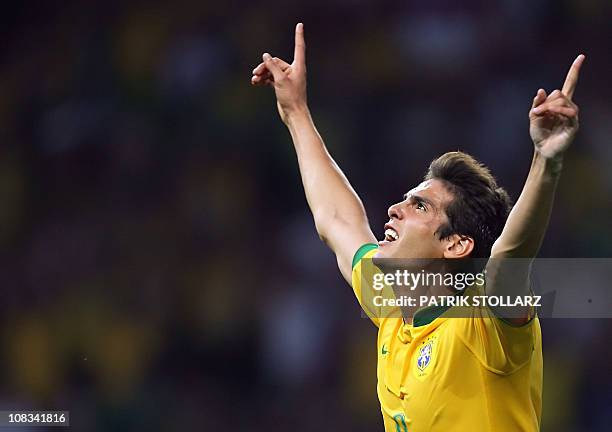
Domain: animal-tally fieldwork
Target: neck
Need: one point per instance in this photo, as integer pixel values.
(419, 291)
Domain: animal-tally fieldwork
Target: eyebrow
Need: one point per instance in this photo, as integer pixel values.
(420, 198)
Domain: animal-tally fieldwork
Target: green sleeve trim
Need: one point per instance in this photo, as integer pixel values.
(509, 323)
(362, 251)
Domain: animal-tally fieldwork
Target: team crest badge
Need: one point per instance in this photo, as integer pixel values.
(424, 357)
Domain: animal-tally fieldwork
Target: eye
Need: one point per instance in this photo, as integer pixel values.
(421, 206)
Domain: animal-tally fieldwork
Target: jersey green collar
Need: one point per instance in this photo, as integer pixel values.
(428, 314)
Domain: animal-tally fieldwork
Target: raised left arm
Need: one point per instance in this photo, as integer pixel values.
(553, 125)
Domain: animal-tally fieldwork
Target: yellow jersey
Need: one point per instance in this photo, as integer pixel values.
(445, 373)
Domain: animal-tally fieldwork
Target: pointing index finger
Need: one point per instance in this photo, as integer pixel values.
(299, 55)
(572, 77)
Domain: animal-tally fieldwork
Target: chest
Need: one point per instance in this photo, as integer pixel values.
(420, 360)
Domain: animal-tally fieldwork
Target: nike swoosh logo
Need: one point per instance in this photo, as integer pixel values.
(384, 350)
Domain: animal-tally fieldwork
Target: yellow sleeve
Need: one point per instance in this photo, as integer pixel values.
(362, 271)
(501, 347)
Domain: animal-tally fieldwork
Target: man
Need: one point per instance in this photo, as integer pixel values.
(482, 371)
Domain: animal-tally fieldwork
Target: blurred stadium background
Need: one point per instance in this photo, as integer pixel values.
(160, 269)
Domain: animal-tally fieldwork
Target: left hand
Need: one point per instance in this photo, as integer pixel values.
(553, 119)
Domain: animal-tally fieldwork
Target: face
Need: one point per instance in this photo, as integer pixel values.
(411, 230)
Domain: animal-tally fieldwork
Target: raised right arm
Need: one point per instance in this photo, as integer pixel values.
(339, 215)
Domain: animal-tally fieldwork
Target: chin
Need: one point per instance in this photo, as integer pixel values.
(385, 249)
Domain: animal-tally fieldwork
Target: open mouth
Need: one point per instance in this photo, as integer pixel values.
(391, 235)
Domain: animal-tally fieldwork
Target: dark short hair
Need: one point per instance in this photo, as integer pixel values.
(479, 208)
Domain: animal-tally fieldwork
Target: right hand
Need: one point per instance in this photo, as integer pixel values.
(288, 80)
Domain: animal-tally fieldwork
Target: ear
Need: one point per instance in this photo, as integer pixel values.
(458, 246)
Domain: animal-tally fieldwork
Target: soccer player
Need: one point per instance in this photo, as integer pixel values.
(481, 372)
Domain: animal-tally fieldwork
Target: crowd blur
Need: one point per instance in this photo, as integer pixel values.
(160, 269)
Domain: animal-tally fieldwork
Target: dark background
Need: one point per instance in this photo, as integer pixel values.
(160, 269)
